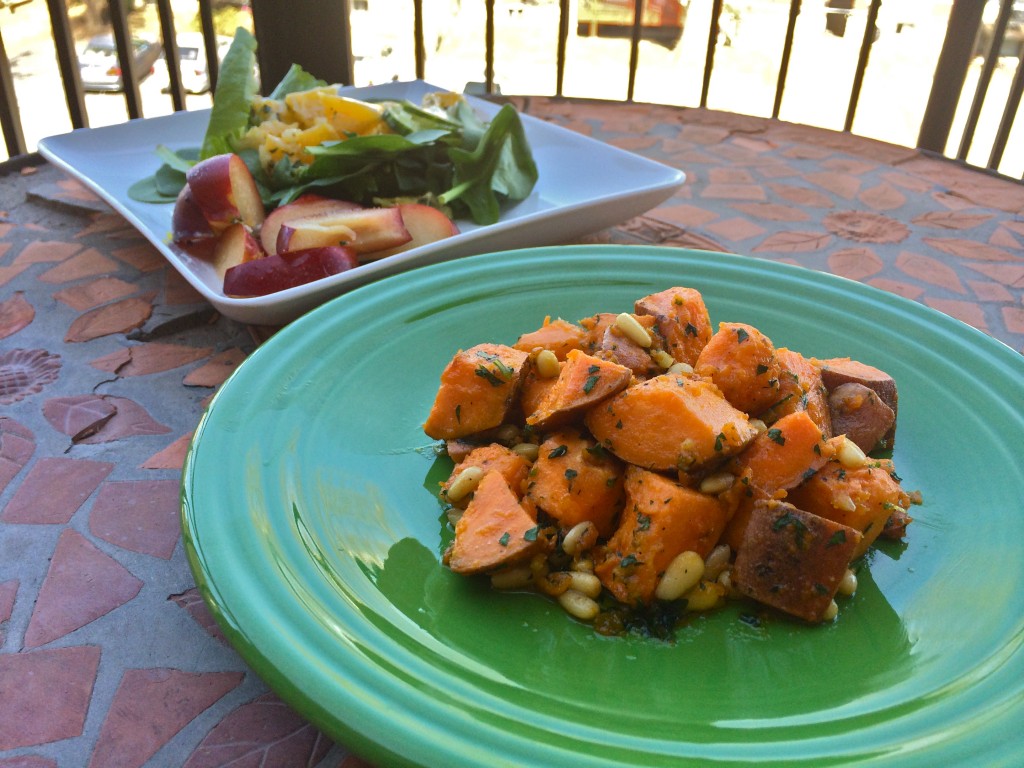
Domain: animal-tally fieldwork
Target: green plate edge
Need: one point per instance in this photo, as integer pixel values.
(341, 606)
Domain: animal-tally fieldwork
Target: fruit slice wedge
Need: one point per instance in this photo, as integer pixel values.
(363, 230)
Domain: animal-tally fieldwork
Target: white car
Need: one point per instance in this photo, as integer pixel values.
(195, 74)
(100, 68)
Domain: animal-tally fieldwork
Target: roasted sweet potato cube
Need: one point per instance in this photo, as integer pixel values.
(574, 479)
(682, 321)
(479, 387)
(840, 370)
(560, 336)
(859, 413)
(661, 519)
(494, 456)
(800, 389)
(793, 560)
(494, 531)
(670, 422)
(741, 361)
(584, 382)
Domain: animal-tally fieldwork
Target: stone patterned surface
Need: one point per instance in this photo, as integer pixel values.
(108, 656)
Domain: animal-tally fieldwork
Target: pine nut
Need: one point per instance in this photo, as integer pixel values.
(578, 605)
(632, 329)
(831, 612)
(844, 502)
(528, 451)
(680, 368)
(554, 584)
(704, 596)
(758, 425)
(717, 562)
(464, 483)
(580, 538)
(663, 358)
(586, 583)
(512, 578)
(850, 455)
(547, 364)
(848, 584)
(717, 483)
(583, 565)
(682, 574)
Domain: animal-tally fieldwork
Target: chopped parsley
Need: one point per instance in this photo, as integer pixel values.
(559, 451)
(741, 335)
(837, 538)
(776, 436)
(591, 381)
(505, 537)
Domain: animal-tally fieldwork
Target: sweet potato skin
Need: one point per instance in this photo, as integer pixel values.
(682, 321)
(801, 388)
(574, 480)
(670, 422)
(840, 370)
(584, 382)
(859, 413)
(661, 519)
(792, 559)
(494, 531)
(478, 388)
(560, 336)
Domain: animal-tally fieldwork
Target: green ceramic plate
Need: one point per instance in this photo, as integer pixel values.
(314, 534)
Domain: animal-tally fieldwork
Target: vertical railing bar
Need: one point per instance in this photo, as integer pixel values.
(1009, 112)
(563, 41)
(67, 63)
(171, 55)
(787, 49)
(419, 40)
(210, 42)
(984, 79)
(10, 117)
(634, 46)
(489, 48)
(709, 59)
(125, 58)
(862, 62)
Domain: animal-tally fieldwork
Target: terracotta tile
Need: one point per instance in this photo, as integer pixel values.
(140, 515)
(733, 192)
(730, 176)
(954, 220)
(855, 263)
(965, 311)
(263, 732)
(905, 290)
(907, 181)
(178, 291)
(8, 591)
(28, 761)
(78, 416)
(151, 706)
(803, 152)
(971, 249)
(216, 370)
(851, 165)
(1014, 226)
(46, 251)
(778, 170)
(119, 317)
(17, 444)
(1003, 238)
(794, 242)
(5, 229)
(152, 357)
(987, 291)
(802, 196)
(9, 273)
(15, 313)
(95, 293)
(130, 420)
(842, 184)
(144, 257)
(704, 134)
(104, 222)
(1013, 318)
(648, 230)
(773, 211)
(952, 201)
(866, 227)
(26, 372)
(81, 585)
(753, 144)
(929, 270)
(690, 158)
(635, 143)
(88, 263)
(171, 457)
(736, 228)
(883, 197)
(697, 241)
(1010, 275)
(193, 604)
(44, 695)
(684, 215)
(54, 489)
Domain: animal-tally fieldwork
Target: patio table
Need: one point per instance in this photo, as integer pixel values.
(108, 655)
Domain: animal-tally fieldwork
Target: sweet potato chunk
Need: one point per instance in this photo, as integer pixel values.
(661, 519)
(604, 339)
(493, 457)
(574, 479)
(793, 560)
(741, 361)
(584, 381)
(800, 389)
(863, 498)
(682, 321)
(791, 451)
(558, 335)
(840, 370)
(494, 531)
(478, 388)
(859, 413)
(670, 422)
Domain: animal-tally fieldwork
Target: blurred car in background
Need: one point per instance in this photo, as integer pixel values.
(1012, 43)
(662, 20)
(192, 62)
(100, 68)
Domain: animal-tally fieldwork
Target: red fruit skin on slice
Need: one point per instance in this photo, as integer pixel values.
(280, 272)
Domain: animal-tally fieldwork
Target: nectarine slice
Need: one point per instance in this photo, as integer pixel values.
(226, 192)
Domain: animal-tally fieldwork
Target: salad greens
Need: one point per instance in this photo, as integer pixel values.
(453, 160)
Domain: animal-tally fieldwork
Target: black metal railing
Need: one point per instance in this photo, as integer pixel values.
(285, 35)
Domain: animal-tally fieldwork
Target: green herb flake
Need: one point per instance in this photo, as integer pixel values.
(628, 560)
(591, 382)
(505, 538)
(643, 522)
(789, 520)
(691, 330)
(559, 451)
(762, 369)
(531, 535)
(570, 475)
(485, 373)
(719, 441)
(776, 436)
(837, 538)
(741, 335)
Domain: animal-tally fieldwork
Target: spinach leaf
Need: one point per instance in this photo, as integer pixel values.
(294, 80)
(232, 102)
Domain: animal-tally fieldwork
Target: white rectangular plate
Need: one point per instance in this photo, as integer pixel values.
(584, 186)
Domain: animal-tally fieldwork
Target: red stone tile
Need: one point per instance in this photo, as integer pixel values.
(730, 176)
(841, 184)
(802, 196)
(130, 420)
(8, 591)
(93, 294)
(216, 370)
(849, 165)
(104, 223)
(178, 291)
(966, 311)
(88, 263)
(1013, 318)
(990, 291)
(1003, 238)
(929, 270)
(44, 695)
(144, 257)
(635, 143)
(78, 416)
(855, 263)
(152, 357)
(150, 706)
(171, 457)
(81, 585)
(794, 242)
(971, 249)
(28, 761)
(9, 273)
(952, 201)
(15, 313)
(119, 317)
(907, 182)
(866, 227)
(46, 251)
(263, 732)
(684, 215)
(955, 220)
(704, 134)
(773, 211)
(1010, 275)
(883, 197)
(26, 372)
(54, 489)
(735, 229)
(192, 602)
(17, 444)
(140, 515)
(733, 192)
